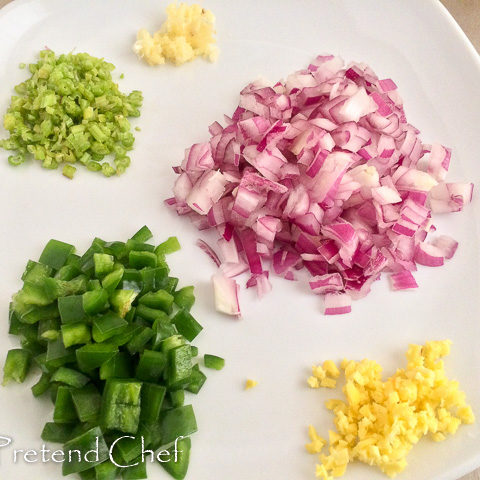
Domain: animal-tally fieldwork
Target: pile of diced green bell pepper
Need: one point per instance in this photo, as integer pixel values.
(110, 332)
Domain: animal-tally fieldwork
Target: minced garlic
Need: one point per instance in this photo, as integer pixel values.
(381, 421)
(188, 32)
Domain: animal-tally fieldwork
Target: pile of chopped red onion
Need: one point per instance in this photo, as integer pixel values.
(323, 172)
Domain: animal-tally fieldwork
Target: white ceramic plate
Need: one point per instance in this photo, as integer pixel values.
(259, 434)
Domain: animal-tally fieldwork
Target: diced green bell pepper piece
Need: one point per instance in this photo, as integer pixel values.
(86, 442)
(119, 366)
(71, 309)
(57, 354)
(148, 276)
(186, 325)
(212, 361)
(70, 377)
(64, 408)
(197, 379)
(87, 403)
(95, 301)
(123, 338)
(170, 284)
(161, 276)
(184, 298)
(106, 471)
(33, 347)
(162, 329)
(150, 314)
(53, 391)
(177, 422)
(111, 281)
(48, 329)
(140, 340)
(93, 355)
(160, 300)
(86, 262)
(68, 272)
(172, 342)
(17, 365)
(150, 366)
(121, 301)
(152, 400)
(35, 273)
(140, 260)
(170, 245)
(35, 314)
(117, 249)
(107, 326)
(137, 472)
(54, 288)
(16, 327)
(128, 449)
(138, 246)
(103, 263)
(177, 397)
(143, 235)
(179, 366)
(75, 334)
(57, 432)
(88, 474)
(177, 467)
(121, 405)
(194, 350)
(42, 385)
(55, 254)
(94, 284)
(32, 295)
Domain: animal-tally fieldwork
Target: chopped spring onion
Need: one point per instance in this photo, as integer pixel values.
(70, 111)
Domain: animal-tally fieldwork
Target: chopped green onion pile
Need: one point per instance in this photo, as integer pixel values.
(110, 333)
(70, 111)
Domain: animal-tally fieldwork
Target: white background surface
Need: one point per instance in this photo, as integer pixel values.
(257, 434)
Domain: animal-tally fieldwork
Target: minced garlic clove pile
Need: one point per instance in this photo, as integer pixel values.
(381, 421)
(188, 32)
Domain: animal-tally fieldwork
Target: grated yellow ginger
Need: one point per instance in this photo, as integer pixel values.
(380, 422)
(188, 32)
(249, 383)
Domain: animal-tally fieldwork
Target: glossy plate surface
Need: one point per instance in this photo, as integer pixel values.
(259, 434)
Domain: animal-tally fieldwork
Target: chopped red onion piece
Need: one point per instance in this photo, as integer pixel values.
(403, 280)
(328, 283)
(428, 255)
(321, 172)
(209, 251)
(226, 295)
(337, 303)
(447, 245)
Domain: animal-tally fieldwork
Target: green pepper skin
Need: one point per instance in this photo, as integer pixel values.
(16, 366)
(150, 366)
(186, 325)
(121, 405)
(71, 309)
(178, 467)
(212, 361)
(88, 403)
(64, 408)
(85, 443)
(177, 422)
(55, 254)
